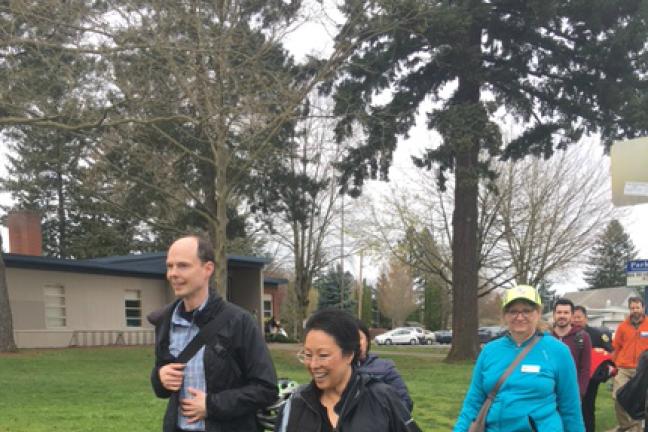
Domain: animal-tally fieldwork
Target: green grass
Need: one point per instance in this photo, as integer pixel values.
(107, 389)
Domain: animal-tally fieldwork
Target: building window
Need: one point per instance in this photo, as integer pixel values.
(55, 306)
(133, 308)
(267, 306)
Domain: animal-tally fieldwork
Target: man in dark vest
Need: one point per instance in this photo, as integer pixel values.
(575, 338)
(231, 375)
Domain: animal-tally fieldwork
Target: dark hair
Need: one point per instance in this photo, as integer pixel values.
(635, 299)
(581, 308)
(364, 329)
(564, 301)
(340, 325)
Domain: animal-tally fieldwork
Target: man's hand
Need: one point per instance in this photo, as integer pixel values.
(194, 409)
(171, 376)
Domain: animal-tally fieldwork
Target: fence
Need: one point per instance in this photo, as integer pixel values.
(85, 338)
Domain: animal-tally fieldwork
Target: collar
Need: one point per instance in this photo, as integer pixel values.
(184, 318)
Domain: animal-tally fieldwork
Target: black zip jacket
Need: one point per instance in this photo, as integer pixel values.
(240, 375)
(368, 405)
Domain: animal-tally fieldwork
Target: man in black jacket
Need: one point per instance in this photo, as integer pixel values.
(600, 339)
(221, 387)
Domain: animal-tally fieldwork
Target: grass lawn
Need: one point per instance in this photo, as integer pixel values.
(107, 389)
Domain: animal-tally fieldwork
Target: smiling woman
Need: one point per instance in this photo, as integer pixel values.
(541, 392)
(338, 397)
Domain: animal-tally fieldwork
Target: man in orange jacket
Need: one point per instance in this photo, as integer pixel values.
(630, 340)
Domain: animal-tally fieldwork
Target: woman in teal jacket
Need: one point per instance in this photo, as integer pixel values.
(541, 394)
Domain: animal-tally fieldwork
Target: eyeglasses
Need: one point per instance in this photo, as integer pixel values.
(307, 358)
(524, 313)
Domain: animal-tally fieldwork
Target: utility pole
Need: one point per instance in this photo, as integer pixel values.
(342, 251)
(361, 285)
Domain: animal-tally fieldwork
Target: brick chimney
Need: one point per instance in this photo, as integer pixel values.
(25, 236)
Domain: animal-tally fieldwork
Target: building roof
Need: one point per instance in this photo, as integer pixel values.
(602, 298)
(268, 280)
(148, 265)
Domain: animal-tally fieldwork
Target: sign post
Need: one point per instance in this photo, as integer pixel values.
(637, 275)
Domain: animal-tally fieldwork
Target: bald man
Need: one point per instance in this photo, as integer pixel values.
(231, 374)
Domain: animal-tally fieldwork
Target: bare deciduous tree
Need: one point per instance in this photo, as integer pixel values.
(396, 296)
(549, 212)
(302, 199)
(199, 88)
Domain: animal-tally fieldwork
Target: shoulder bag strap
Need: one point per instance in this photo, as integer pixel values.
(205, 334)
(491, 396)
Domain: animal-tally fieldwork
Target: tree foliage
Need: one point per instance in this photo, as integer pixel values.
(608, 258)
(335, 289)
(561, 68)
(191, 99)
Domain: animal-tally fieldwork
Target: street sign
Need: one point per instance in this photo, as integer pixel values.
(637, 273)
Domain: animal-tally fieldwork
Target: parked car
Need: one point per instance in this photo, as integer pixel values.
(430, 338)
(420, 332)
(488, 333)
(399, 335)
(443, 336)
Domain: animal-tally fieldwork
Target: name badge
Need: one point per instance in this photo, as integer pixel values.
(644, 334)
(530, 368)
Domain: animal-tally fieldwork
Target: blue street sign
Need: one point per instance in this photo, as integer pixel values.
(637, 266)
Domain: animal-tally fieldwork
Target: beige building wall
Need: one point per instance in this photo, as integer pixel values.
(92, 303)
(244, 289)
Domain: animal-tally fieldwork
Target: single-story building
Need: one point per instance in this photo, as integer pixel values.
(58, 302)
(102, 301)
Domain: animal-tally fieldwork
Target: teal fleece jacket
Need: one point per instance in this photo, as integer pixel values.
(541, 393)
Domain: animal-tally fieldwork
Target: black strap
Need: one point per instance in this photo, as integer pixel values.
(205, 334)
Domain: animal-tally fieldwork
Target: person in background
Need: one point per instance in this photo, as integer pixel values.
(381, 369)
(630, 340)
(577, 339)
(600, 337)
(339, 398)
(602, 366)
(541, 394)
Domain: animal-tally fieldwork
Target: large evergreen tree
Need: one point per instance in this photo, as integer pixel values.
(607, 261)
(46, 174)
(561, 68)
(335, 290)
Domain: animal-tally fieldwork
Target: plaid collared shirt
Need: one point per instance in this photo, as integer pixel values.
(182, 332)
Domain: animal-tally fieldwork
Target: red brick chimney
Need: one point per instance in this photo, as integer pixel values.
(25, 236)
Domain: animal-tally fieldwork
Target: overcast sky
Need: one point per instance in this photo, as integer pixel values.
(315, 38)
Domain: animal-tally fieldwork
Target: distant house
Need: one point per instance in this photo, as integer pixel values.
(606, 307)
(103, 301)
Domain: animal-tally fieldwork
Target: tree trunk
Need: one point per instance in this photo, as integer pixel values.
(219, 240)
(7, 342)
(464, 251)
(464, 218)
(62, 221)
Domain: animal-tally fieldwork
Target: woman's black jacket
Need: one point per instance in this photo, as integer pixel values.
(370, 406)
(240, 376)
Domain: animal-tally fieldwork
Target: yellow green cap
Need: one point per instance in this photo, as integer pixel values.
(521, 292)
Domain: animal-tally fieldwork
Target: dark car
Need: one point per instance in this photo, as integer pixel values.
(488, 333)
(443, 336)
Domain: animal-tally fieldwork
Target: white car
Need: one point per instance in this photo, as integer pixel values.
(398, 336)
(430, 337)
